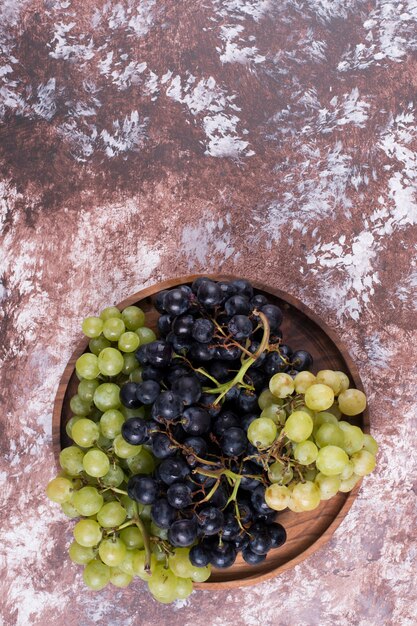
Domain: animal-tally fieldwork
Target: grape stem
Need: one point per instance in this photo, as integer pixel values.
(238, 379)
(146, 539)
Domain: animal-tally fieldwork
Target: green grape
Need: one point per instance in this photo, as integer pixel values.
(87, 366)
(111, 423)
(141, 463)
(303, 380)
(344, 381)
(370, 444)
(309, 473)
(277, 497)
(184, 588)
(294, 506)
(136, 375)
(130, 506)
(328, 485)
(276, 413)
(324, 417)
(132, 538)
(146, 335)
(347, 471)
(112, 551)
(305, 452)
(130, 363)
(87, 501)
(85, 433)
(59, 490)
(201, 574)
(331, 460)
(298, 426)
(80, 554)
(110, 361)
(71, 460)
(139, 412)
(180, 563)
(162, 533)
(79, 407)
(262, 432)
(352, 402)
(96, 575)
(160, 555)
(329, 435)
(70, 424)
(86, 389)
(119, 578)
(103, 442)
(128, 342)
(306, 495)
(98, 344)
(113, 328)
(145, 512)
(281, 385)
(96, 463)
(69, 510)
(319, 397)
(139, 561)
(280, 473)
(107, 396)
(353, 437)
(162, 583)
(363, 462)
(123, 449)
(92, 327)
(266, 398)
(329, 378)
(111, 515)
(110, 312)
(133, 317)
(87, 533)
(349, 483)
(114, 477)
(334, 410)
(127, 564)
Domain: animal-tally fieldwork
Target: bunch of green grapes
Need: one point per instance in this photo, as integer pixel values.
(114, 537)
(310, 452)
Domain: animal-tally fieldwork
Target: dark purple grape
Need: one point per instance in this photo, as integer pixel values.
(159, 353)
(301, 360)
(243, 287)
(246, 402)
(225, 420)
(240, 327)
(274, 363)
(274, 316)
(176, 372)
(227, 289)
(203, 330)
(247, 483)
(258, 501)
(258, 379)
(199, 556)
(207, 401)
(241, 541)
(167, 406)
(251, 558)
(173, 470)
(196, 421)
(176, 302)
(260, 541)
(247, 420)
(159, 301)
(141, 354)
(237, 305)
(135, 431)
(233, 441)
(229, 353)
(202, 479)
(219, 498)
(209, 294)
(128, 396)
(199, 281)
(164, 324)
(150, 372)
(162, 447)
(278, 534)
(210, 520)
(201, 352)
(148, 391)
(179, 495)
(196, 445)
(258, 301)
(183, 533)
(143, 489)
(231, 528)
(220, 370)
(286, 350)
(223, 556)
(162, 513)
(183, 326)
(188, 388)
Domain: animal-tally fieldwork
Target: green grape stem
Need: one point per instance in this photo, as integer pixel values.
(238, 379)
(146, 538)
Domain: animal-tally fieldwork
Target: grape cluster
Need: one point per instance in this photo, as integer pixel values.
(186, 446)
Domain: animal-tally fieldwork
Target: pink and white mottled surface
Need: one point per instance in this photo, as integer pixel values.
(143, 139)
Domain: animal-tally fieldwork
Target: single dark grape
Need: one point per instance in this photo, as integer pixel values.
(199, 556)
(207, 401)
(202, 479)
(258, 301)
(243, 287)
(260, 541)
(246, 402)
(257, 378)
(197, 445)
(240, 327)
(220, 370)
(164, 324)
(179, 495)
(199, 281)
(241, 541)
(247, 420)
(196, 421)
(173, 470)
(232, 394)
(128, 396)
(225, 420)
(179, 345)
(227, 289)
(237, 305)
(223, 556)
(210, 520)
(253, 348)
(162, 513)
(150, 372)
(148, 391)
(251, 557)
(258, 501)
(229, 353)
(274, 363)
(183, 326)
(162, 447)
(274, 316)
(183, 533)
(159, 353)
(249, 484)
(203, 330)
(278, 534)
(143, 489)
(231, 528)
(159, 301)
(286, 350)
(175, 372)
(219, 498)
(209, 294)
(141, 354)
(188, 388)
(135, 431)
(176, 302)
(245, 512)
(167, 406)
(233, 441)
(301, 360)
(201, 352)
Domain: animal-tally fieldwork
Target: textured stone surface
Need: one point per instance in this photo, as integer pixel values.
(145, 139)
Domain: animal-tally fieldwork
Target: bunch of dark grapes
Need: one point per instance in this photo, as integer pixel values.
(220, 343)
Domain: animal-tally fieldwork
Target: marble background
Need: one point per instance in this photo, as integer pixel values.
(144, 139)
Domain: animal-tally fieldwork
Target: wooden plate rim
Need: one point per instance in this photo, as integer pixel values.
(296, 303)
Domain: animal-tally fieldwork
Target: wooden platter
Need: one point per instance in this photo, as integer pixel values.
(302, 329)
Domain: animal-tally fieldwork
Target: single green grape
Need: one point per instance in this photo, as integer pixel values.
(146, 335)
(141, 463)
(329, 378)
(113, 328)
(262, 432)
(86, 389)
(87, 533)
(96, 575)
(139, 561)
(349, 483)
(107, 396)
(92, 327)
(266, 398)
(96, 463)
(306, 495)
(110, 312)
(111, 515)
(352, 402)
(112, 551)
(329, 435)
(180, 563)
(363, 462)
(277, 497)
(130, 363)
(331, 460)
(133, 317)
(328, 485)
(59, 490)
(298, 426)
(110, 361)
(128, 342)
(323, 417)
(353, 437)
(370, 444)
(281, 385)
(87, 366)
(184, 588)
(276, 413)
(303, 380)
(98, 344)
(80, 554)
(343, 381)
(132, 538)
(280, 473)
(85, 433)
(69, 510)
(111, 423)
(114, 477)
(305, 452)
(163, 583)
(201, 574)
(71, 459)
(319, 397)
(70, 424)
(79, 407)
(123, 449)
(87, 501)
(119, 578)
(127, 564)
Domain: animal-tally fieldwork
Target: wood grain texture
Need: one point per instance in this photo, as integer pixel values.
(302, 329)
